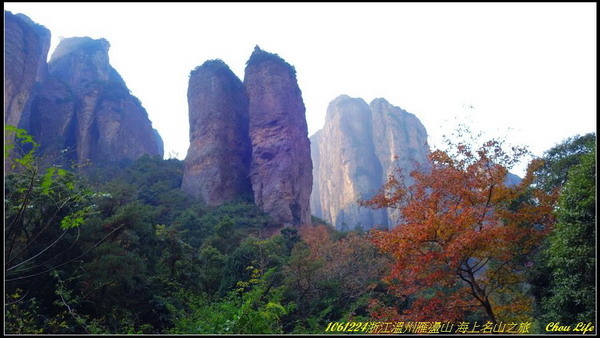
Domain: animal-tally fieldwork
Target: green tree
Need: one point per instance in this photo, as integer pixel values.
(552, 177)
(47, 211)
(561, 158)
(254, 307)
(211, 264)
(571, 253)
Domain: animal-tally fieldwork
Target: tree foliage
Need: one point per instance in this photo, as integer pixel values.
(465, 238)
(571, 251)
(564, 298)
(332, 278)
(560, 159)
(44, 208)
(120, 249)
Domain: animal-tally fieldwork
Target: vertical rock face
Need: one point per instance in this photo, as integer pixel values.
(400, 141)
(281, 168)
(159, 143)
(25, 51)
(86, 111)
(349, 170)
(315, 196)
(358, 148)
(218, 160)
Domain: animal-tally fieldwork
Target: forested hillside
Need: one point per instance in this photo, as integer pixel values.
(121, 249)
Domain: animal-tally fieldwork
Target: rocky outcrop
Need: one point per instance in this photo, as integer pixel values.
(357, 150)
(281, 168)
(400, 142)
(250, 138)
(25, 51)
(348, 168)
(218, 160)
(86, 112)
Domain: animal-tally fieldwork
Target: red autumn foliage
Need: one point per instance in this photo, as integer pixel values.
(465, 237)
(322, 266)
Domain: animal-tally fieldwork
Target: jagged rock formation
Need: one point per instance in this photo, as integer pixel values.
(26, 47)
(85, 111)
(281, 168)
(218, 160)
(357, 150)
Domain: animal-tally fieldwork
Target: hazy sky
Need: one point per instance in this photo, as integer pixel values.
(524, 71)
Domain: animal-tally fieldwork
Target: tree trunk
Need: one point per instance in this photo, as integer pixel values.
(488, 309)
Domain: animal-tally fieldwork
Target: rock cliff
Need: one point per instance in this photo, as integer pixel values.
(159, 143)
(357, 149)
(400, 141)
(218, 160)
(315, 196)
(85, 111)
(25, 52)
(281, 167)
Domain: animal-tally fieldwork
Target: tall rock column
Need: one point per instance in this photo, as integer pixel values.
(218, 159)
(26, 47)
(281, 169)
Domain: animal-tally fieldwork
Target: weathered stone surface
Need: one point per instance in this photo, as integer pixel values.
(315, 196)
(159, 142)
(52, 121)
(400, 141)
(218, 160)
(348, 167)
(281, 169)
(86, 112)
(25, 51)
(358, 148)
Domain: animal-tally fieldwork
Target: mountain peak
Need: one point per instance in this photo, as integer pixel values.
(86, 44)
(259, 57)
(218, 158)
(358, 148)
(214, 65)
(281, 169)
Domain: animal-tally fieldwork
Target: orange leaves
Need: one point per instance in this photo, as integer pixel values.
(351, 262)
(464, 231)
(390, 195)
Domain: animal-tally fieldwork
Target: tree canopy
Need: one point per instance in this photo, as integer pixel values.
(465, 238)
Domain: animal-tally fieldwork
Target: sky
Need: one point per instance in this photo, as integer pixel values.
(522, 71)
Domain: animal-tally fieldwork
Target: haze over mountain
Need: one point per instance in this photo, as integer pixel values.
(81, 109)
(248, 139)
(26, 46)
(358, 148)
(101, 238)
